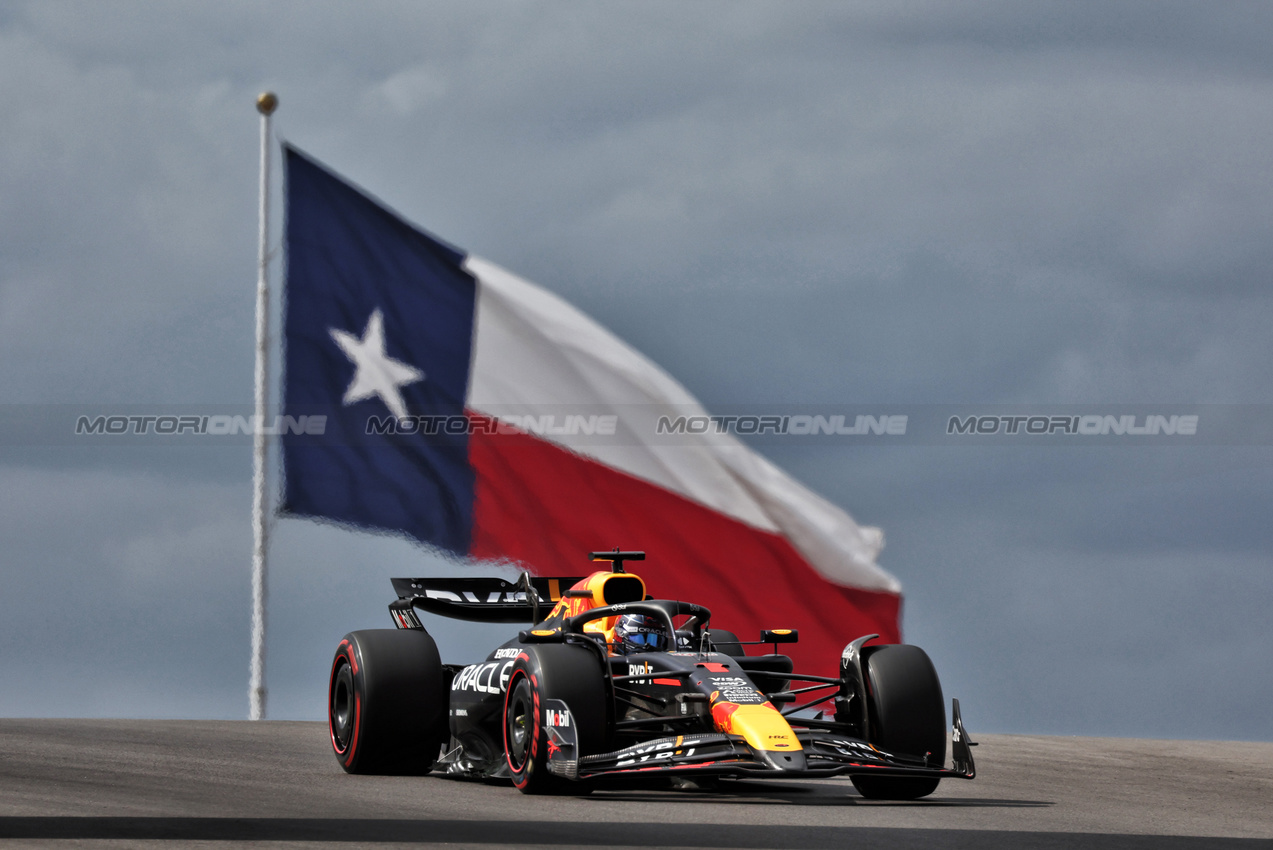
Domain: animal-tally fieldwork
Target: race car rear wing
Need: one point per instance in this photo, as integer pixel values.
(483, 600)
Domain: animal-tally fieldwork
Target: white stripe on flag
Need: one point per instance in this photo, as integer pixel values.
(536, 354)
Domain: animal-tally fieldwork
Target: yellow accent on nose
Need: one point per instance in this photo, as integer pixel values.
(764, 728)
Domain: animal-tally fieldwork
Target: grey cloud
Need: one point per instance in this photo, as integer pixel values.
(780, 203)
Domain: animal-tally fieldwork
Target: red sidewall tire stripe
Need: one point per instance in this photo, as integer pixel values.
(519, 778)
(345, 652)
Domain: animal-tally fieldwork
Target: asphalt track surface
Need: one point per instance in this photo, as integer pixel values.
(145, 783)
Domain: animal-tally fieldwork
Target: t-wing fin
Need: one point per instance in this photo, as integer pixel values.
(484, 600)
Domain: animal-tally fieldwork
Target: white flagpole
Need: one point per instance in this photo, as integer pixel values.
(265, 104)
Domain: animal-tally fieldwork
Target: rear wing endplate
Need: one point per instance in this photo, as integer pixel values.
(483, 600)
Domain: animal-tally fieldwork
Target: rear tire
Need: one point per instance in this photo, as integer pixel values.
(769, 672)
(386, 702)
(906, 715)
(728, 643)
(572, 674)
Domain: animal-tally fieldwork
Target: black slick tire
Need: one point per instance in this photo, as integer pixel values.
(728, 643)
(572, 674)
(386, 702)
(906, 716)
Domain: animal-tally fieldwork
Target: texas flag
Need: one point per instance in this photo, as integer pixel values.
(482, 415)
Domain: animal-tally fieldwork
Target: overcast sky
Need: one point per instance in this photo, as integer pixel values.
(913, 205)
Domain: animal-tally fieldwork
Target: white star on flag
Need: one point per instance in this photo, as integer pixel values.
(376, 373)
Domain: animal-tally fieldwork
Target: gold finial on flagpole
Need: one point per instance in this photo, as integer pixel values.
(266, 102)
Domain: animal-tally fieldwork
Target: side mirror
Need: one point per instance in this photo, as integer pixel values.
(541, 636)
(779, 636)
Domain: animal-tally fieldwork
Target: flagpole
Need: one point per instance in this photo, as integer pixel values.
(265, 104)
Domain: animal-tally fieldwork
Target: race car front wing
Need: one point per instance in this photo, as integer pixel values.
(719, 754)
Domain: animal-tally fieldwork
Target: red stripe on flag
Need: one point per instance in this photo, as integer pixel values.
(548, 507)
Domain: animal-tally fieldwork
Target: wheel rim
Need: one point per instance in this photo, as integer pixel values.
(518, 724)
(341, 711)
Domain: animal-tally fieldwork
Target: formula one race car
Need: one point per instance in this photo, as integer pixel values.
(613, 686)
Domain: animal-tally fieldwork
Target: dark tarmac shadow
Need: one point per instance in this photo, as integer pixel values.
(574, 834)
(763, 798)
(754, 793)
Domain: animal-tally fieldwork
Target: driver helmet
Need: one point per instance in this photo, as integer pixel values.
(640, 633)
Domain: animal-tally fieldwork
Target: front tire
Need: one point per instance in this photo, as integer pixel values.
(386, 704)
(906, 715)
(572, 674)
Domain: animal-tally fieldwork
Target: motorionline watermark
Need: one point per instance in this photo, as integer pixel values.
(1087, 425)
(220, 425)
(800, 424)
(550, 425)
(940, 425)
(606, 425)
